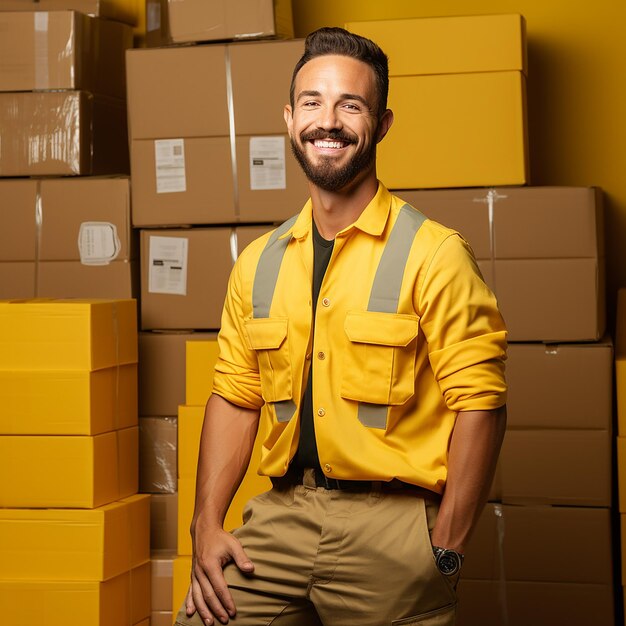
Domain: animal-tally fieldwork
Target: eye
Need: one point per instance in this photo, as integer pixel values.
(350, 106)
(309, 104)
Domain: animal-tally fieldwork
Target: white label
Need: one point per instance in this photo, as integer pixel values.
(168, 265)
(98, 243)
(169, 158)
(267, 163)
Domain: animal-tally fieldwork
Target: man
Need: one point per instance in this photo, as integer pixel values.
(365, 337)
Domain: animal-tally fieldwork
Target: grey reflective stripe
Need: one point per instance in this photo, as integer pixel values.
(284, 410)
(267, 270)
(385, 293)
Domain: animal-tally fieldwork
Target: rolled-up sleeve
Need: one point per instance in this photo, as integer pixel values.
(236, 372)
(465, 332)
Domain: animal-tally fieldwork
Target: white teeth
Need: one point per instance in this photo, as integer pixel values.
(323, 143)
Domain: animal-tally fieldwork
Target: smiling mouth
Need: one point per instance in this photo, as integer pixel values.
(330, 143)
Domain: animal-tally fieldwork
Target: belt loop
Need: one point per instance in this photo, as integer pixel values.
(308, 478)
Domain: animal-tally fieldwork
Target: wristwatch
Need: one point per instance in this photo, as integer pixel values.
(448, 561)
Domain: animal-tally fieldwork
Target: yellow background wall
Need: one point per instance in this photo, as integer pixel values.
(576, 91)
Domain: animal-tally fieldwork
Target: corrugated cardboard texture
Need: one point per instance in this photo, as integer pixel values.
(60, 133)
(162, 370)
(63, 50)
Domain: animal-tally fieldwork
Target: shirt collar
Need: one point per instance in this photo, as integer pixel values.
(371, 221)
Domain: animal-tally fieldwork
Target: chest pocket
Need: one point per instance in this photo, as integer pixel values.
(379, 365)
(269, 338)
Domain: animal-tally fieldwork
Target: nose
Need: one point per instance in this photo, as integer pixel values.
(328, 119)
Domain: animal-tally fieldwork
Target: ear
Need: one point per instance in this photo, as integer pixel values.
(384, 125)
(288, 115)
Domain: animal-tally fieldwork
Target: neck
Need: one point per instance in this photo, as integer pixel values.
(335, 210)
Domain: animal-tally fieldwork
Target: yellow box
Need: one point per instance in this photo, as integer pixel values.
(251, 485)
(73, 471)
(449, 45)
(181, 575)
(71, 402)
(74, 544)
(119, 601)
(458, 92)
(621, 473)
(67, 334)
(201, 357)
(190, 419)
(620, 362)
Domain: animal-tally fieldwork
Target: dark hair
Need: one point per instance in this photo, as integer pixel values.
(329, 40)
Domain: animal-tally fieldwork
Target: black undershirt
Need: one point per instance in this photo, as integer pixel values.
(306, 455)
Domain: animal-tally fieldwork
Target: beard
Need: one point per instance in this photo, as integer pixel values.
(326, 174)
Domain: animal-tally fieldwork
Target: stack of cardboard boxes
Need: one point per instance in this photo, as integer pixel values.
(620, 388)
(211, 171)
(457, 88)
(63, 116)
(73, 530)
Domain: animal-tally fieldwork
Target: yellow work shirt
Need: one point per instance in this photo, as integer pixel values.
(387, 384)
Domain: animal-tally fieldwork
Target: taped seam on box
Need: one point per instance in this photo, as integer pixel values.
(230, 102)
(500, 528)
(38, 229)
(234, 245)
(40, 19)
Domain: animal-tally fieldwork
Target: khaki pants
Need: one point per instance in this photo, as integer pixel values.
(338, 558)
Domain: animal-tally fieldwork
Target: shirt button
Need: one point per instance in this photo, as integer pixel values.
(321, 355)
(326, 302)
(321, 412)
(328, 468)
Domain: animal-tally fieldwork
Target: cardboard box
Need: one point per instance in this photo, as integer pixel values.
(118, 10)
(162, 580)
(161, 618)
(201, 357)
(53, 402)
(67, 334)
(62, 132)
(252, 484)
(182, 573)
(73, 471)
(194, 161)
(555, 386)
(50, 50)
(539, 279)
(164, 521)
(176, 290)
(544, 467)
(157, 454)
(458, 90)
(569, 545)
(620, 361)
(162, 370)
(119, 601)
(74, 544)
(196, 20)
(518, 603)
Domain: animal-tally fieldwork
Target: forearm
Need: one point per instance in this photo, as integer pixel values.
(474, 450)
(226, 443)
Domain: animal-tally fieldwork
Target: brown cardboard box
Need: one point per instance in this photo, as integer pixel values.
(569, 545)
(546, 467)
(177, 291)
(63, 50)
(67, 237)
(62, 132)
(118, 10)
(458, 91)
(519, 603)
(540, 277)
(163, 521)
(190, 164)
(198, 20)
(161, 618)
(162, 580)
(162, 370)
(554, 386)
(157, 454)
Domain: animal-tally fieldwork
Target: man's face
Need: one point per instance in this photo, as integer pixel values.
(333, 126)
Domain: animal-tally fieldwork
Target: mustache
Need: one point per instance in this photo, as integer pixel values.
(332, 135)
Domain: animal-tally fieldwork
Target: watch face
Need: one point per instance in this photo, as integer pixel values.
(448, 563)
